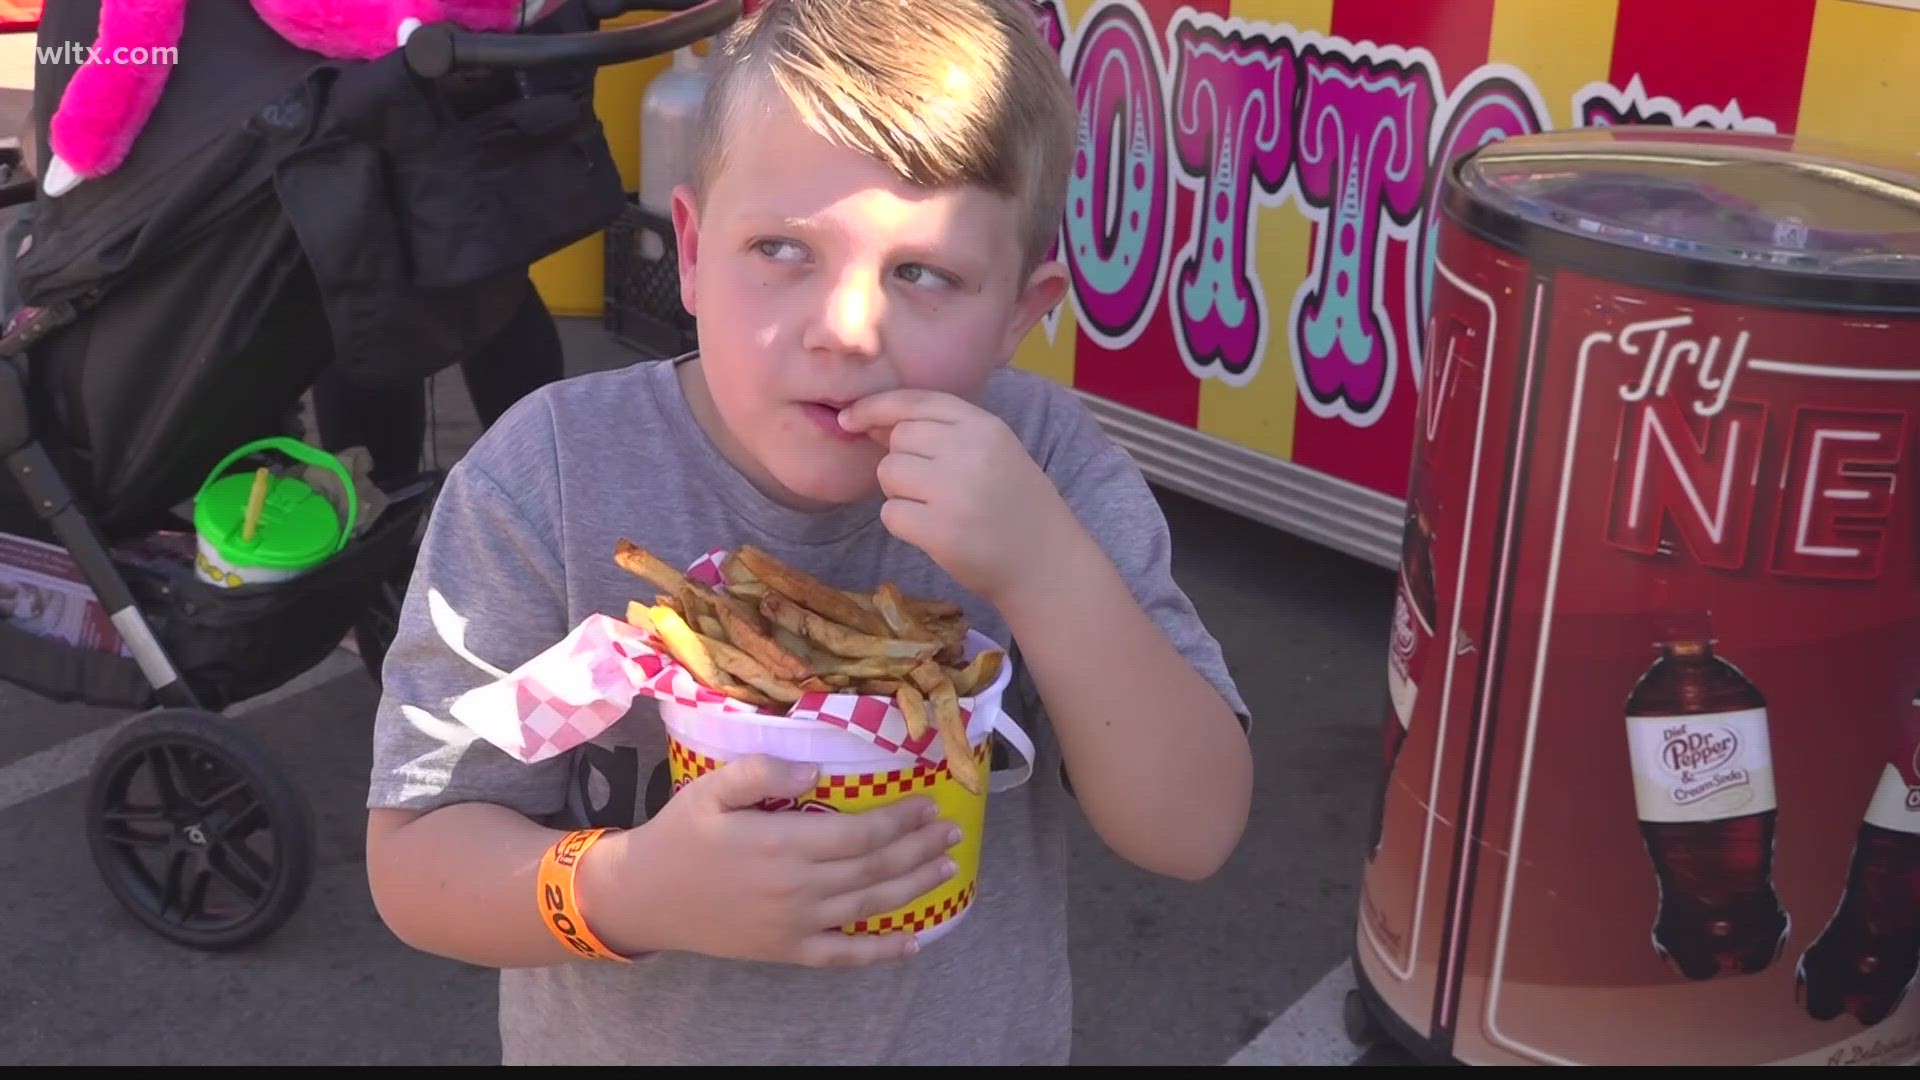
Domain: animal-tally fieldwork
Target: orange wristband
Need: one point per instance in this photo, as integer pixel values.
(560, 903)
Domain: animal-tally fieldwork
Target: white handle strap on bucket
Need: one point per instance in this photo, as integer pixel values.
(1008, 779)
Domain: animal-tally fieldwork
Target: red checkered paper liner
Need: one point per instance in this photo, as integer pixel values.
(583, 685)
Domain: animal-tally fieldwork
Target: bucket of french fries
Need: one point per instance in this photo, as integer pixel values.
(890, 695)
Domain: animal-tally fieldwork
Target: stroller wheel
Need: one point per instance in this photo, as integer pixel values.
(197, 833)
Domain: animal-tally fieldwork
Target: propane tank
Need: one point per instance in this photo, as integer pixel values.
(669, 115)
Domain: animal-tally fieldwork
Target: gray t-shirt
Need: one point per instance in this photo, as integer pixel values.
(520, 546)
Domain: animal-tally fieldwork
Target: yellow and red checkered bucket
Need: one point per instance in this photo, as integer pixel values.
(857, 775)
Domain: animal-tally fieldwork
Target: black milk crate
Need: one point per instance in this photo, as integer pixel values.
(643, 309)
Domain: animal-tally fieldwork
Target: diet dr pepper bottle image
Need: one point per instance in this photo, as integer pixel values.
(1649, 791)
(1703, 786)
(1863, 962)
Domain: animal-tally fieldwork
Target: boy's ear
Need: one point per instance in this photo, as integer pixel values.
(1044, 290)
(686, 240)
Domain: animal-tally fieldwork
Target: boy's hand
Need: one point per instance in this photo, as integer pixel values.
(962, 488)
(730, 880)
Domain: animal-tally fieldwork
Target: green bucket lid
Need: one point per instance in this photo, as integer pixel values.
(298, 528)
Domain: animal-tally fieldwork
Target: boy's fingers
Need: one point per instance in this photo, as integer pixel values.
(921, 438)
(831, 837)
(749, 781)
(903, 476)
(832, 948)
(920, 851)
(884, 896)
(905, 518)
(890, 407)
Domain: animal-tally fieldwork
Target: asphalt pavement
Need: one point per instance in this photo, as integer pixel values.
(1247, 968)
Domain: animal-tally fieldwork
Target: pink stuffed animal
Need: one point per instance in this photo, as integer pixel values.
(107, 104)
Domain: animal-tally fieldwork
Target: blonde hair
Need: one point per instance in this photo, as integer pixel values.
(943, 92)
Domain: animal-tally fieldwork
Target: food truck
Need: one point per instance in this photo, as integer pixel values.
(1250, 227)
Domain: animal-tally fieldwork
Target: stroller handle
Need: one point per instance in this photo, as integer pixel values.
(435, 51)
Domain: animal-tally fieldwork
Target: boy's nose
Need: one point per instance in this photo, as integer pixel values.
(849, 321)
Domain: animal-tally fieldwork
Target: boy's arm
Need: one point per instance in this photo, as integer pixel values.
(459, 882)
(452, 844)
(1150, 725)
(1077, 559)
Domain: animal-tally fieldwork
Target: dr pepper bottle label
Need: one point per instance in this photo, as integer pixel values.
(1896, 798)
(1701, 768)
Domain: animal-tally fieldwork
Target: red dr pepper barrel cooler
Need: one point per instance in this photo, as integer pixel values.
(1652, 788)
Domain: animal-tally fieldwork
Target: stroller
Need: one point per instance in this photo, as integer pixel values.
(281, 212)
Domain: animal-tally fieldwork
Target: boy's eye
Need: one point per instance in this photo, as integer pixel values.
(780, 250)
(921, 274)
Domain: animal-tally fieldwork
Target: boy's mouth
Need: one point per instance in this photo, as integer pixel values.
(825, 413)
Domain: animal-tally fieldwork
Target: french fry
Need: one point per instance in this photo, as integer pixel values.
(711, 627)
(948, 631)
(735, 572)
(750, 671)
(742, 692)
(638, 615)
(882, 687)
(836, 638)
(686, 646)
(979, 672)
(934, 610)
(913, 706)
(927, 675)
(814, 684)
(638, 560)
(869, 667)
(953, 735)
(748, 611)
(810, 592)
(779, 661)
(892, 608)
(800, 647)
(692, 603)
(922, 609)
(752, 590)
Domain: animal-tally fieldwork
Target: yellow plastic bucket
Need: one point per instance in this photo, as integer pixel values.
(856, 775)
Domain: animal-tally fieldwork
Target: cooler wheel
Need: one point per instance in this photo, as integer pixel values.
(197, 833)
(1362, 1028)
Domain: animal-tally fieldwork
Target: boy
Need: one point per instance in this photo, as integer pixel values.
(864, 249)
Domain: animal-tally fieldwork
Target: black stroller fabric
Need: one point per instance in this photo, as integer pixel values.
(280, 213)
(470, 177)
(197, 160)
(388, 224)
(227, 644)
(210, 349)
